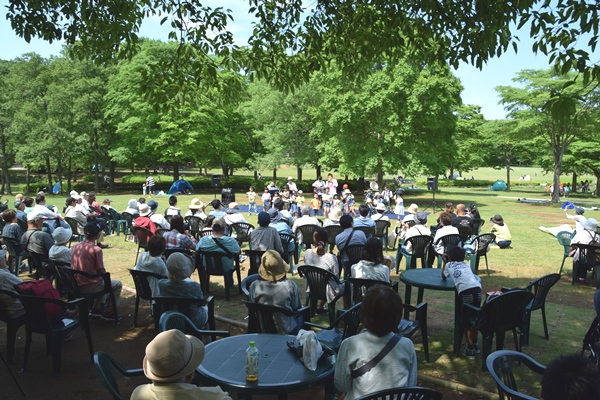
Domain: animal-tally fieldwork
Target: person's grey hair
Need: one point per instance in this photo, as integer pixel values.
(305, 209)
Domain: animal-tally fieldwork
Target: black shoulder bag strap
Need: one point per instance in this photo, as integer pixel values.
(375, 360)
(349, 237)
(218, 243)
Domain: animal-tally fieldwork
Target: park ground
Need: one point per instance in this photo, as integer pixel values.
(533, 254)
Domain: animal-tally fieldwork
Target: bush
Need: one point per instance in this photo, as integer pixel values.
(141, 178)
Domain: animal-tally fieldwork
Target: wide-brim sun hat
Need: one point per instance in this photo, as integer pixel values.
(144, 210)
(380, 207)
(290, 178)
(172, 355)
(272, 267)
(497, 219)
(196, 204)
(413, 208)
(62, 235)
(421, 217)
(179, 266)
(274, 214)
(153, 205)
(591, 224)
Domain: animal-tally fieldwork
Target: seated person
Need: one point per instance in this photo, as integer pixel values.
(173, 209)
(12, 230)
(179, 284)
(152, 261)
(170, 362)
(363, 219)
(196, 208)
(381, 312)
(8, 280)
(468, 286)
(322, 259)
(157, 218)
(585, 236)
(220, 243)
(334, 217)
(282, 227)
(437, 247)
(348, 237)
(265, 237)
(132, 207)
(305, 219)
(75, 212)
(177, 238)
(371, 264)
(88, 257)
(379, 210)
(286, 215)
(578, 217)
(275, 289)
(144, 220)
(34, 240)
(20, 210)
(418, 229)
(500, 229)
(461, 218)
(233, 214)
(60, 252)
(571, 377)
(217, 209)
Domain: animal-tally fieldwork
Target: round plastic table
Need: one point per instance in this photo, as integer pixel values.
(280, 371)
(431, 278)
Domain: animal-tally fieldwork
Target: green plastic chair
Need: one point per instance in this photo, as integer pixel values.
(118, 223)
(106, 365)
(564, 239)
(420, 245)
(331, 336)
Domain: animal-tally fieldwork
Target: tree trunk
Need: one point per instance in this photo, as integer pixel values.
(574, 183)
(175, 172)
(28, 179)
(49, 172)
(274, 174)
(361, 183)
(597, 175)
(225, 171)
(556, 180)
(346, 177)
(6, 180)
(69, 173)
(450, 172)
(59, 166)
(508, 172)
(299, 173)
(231, 171)
(96, 172)
(255, 175)
(111, 184)
(318, 171)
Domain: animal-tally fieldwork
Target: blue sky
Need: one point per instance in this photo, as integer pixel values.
(478, 85)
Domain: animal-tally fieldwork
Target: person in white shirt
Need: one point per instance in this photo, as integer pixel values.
(291, 185)
(379, 210)
(233, 215)
(332, 185)
(157, 218)
(578, 218)
(305, 219)
(445, 230)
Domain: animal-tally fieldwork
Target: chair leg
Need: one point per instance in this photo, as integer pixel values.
(562, 265)
(11, 338)
(56, 343)
(425, 340)
(137, 253)
(398, 257)
(113, 301)
(27, 347)
(135, 312)
(544, 321)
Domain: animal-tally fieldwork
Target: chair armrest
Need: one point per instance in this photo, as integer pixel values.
(133, 372)
(505, 289)
(304, 312)
(212, 333)
(309, 325)
(472, 307)
(395, 286)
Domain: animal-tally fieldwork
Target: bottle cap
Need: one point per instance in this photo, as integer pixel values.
(252, 344)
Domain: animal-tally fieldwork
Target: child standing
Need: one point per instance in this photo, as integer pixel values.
(399, 208)
(336, 202)
(315, 204)
(350, 203)
(326, 202)
(266, 199)
(468, 286)
(251, 194)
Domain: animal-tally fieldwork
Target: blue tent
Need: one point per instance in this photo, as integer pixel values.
(56, 188)
(180, 186)
(499, 185)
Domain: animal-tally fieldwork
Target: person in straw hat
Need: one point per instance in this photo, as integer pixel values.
(196, 209)
(170, 362)
(334, 217)
(275, 289)
(59, 252)
(379, 210)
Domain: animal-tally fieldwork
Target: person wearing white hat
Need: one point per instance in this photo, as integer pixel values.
(59, 252)
(196, 209)
(76, 212)
(275, 289)
(144, 220)
(586, 236)
(334, 217)
(291, 185)
(233, 214)
(34, 240)
(379, 210)
(170, 362)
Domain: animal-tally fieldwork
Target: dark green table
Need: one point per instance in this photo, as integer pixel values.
(431, 278)
(280, 371)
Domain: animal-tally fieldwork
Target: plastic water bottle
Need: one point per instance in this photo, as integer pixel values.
(252, 363)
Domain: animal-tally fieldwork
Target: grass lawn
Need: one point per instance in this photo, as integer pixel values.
(533, 254)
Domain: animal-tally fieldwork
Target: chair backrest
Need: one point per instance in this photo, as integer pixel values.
(499, 365)
(115, 215)
(286, 239)
(246, 282)
(263, 314)
(206, 232)
(185, 252)
(105, 365)
(477, 224)
(358, 287)
(142, 283)
(404, 393)
(332, 232)
(161, 231)
(464, 231)
(564, 238)
(483, 241)
(410, 223)
(73, 223)
(66, 276)
(142, 235)
(180, 304)
(42, 264)
(381, 228)
(242, 231)
(317, 279)
(541, 287)
(419, 245)
(255, 257)
(195, 223)
(213, 260)
(36, 313)
(352, 253)
(22, 224)
(504, 312)
(369, 232)
(10, 247)
(129, 218)
(307, 232)
(450, 241)
(351, 320)
(587, 253)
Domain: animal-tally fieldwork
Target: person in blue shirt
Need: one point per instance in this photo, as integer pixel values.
(363, 219)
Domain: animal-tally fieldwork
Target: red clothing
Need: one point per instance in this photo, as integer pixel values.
(145, 222)
(87, 257)
(96, 207)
